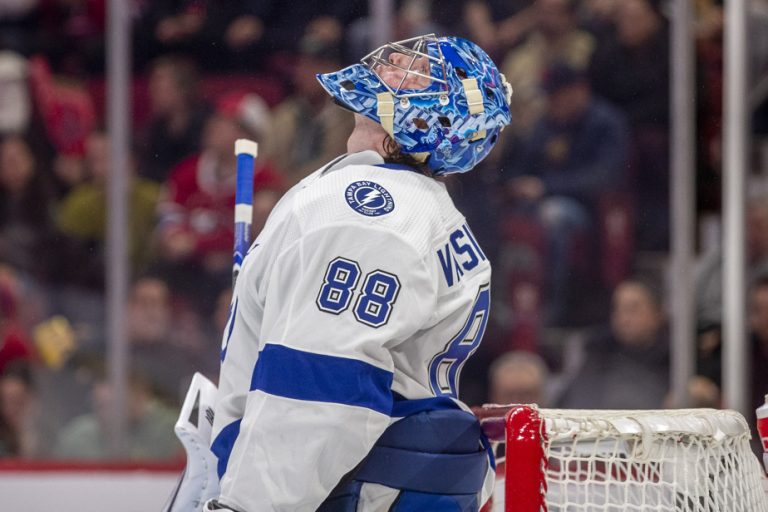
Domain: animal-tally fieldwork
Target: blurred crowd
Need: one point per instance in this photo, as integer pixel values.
(572, 206)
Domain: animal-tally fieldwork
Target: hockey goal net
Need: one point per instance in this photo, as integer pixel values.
(696, 460)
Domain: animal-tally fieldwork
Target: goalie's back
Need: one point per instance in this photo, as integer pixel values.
(365, 289)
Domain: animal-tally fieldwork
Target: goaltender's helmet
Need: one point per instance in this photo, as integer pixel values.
(452, 121)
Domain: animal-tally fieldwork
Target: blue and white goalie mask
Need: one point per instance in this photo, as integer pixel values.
(441, 99)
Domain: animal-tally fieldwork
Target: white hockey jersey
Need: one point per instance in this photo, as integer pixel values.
(366, 281)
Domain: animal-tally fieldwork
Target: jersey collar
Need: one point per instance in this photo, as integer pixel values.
(368, 157)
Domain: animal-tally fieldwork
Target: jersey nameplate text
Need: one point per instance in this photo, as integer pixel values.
(459, 255)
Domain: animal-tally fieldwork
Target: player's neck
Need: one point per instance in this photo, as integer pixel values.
(366, 135)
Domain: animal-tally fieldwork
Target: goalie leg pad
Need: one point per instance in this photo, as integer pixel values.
(434, 457)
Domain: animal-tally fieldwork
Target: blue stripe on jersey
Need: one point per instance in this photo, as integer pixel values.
(396, 167)
(300, 375)
(405, 407)
(222, 445)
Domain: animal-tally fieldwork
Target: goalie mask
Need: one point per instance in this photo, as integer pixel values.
(442, 99)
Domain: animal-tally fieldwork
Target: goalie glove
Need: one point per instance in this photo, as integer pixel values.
(200, 481)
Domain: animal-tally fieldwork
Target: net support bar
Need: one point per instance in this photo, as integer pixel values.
(682, 196)
(735, 135)
(118, 126)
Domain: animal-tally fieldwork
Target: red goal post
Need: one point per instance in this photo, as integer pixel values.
(688, 460)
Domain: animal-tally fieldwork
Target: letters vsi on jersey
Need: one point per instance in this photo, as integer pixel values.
(460, 254)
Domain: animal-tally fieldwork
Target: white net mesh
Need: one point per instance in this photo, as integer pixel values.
(684, 460)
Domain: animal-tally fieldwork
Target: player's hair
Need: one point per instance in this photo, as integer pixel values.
(394, 155)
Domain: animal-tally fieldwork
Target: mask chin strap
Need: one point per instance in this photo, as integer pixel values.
(507, 89)
(474, 102)
(385, 110)
(507, 92)
(474, 96)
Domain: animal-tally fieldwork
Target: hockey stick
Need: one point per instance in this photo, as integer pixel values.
(200, 481)
(246, 151)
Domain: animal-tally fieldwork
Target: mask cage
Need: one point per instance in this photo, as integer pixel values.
(426, 47)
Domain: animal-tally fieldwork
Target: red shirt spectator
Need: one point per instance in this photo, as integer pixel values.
(202, 204)
(196, 226)
(14, 345)
(14, 342)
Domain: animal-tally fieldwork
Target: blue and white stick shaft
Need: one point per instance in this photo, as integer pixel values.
(246, 151)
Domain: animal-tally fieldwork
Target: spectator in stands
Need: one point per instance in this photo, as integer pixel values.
(598, 17)
(758, 326)
(234, 34)
(18, 21)
(518, 377)
(631, 69)
(758, 332)
(15, 343)
(15, 104)
(21, 301)
(711, 354)
(702, 393)
(411, 19)
(709, 272)
(173, 26)
(26, 216)
(758, 46)
(20, 415)
(195, 235)
(555, 38)
(68, 172)
(73, 34)
(758, 38)
(576, 153)
(223, 34)
(498, 25)
(709, 23)
(83, 212)
(324, 22)
(308, 129)
(627, 365)
(67, 114)
(166, 339)
(708, 352)
(149, 432)
(177, 119)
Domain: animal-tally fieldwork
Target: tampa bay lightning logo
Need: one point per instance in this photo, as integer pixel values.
(369, 198)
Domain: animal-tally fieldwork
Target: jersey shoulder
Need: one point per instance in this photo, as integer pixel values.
(393, 199)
